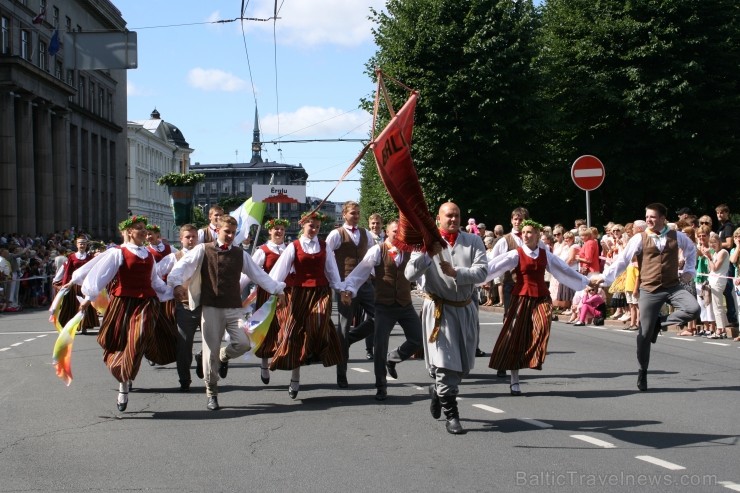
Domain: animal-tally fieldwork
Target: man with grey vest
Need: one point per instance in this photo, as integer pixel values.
(219, 265)
(392, 305)
(350, 244)
(657, 255)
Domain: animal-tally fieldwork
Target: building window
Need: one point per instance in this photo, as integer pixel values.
(82, 83)
(55, 17)
(70, 77)
(110, 107)
(101, 101)
(58, 70)
(43, 59)
(91, 101)
(5, 40)
(214, 187)
(68, 23)
(25, 44)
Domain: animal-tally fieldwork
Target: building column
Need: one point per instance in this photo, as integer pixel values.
(8, 174)
(43, 171)
(26, 205)
(62, 201)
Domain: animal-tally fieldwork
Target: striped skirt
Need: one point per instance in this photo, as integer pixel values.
(307, 334)
(164, 351)
(522, 342)
(69, 307)
(127, 332)
(269, 345)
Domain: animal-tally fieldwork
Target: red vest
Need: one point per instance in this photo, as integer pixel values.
(73, 263)
(309, 267)
(530, 275)
(158, 256)
(134, 276)
(270, 258)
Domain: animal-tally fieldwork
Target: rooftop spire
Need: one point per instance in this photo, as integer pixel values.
(256, 146)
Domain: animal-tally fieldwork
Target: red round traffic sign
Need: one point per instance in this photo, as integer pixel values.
(587, 173)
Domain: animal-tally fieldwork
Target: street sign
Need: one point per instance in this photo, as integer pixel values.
(587, 173)
(279, 194)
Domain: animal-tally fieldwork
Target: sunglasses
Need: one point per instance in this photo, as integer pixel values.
(705, 222)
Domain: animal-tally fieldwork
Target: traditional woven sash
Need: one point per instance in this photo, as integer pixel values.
(439, 304)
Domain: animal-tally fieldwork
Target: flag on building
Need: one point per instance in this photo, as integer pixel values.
(248, 214)
(41, 17)
(54, 44)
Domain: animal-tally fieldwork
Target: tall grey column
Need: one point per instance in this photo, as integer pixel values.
(43, 170)
(26, 180)
(62, 199)
(8, 174)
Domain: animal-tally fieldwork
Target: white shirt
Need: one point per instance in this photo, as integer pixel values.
(334, 239)
(259, 255)
(59, 275)
(559, 269)
(634, 247)
(185, 268)
(365, 268)
(106, 268)
(284, 264)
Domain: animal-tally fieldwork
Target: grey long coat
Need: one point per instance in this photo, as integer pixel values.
(458, 336)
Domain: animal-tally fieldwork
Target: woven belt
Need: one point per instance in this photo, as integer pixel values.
(439, 304)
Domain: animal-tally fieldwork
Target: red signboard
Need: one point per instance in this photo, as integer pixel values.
(587, 173)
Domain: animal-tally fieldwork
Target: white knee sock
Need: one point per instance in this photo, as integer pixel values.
(295, 377)
(514, 377)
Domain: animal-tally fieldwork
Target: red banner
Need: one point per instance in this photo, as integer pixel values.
(392, 149)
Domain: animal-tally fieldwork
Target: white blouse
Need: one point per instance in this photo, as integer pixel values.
(284, 265)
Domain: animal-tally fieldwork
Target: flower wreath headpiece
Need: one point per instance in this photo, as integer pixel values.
(529, 222)
(154, 228)
(316, 215)
(131, 221)
(276, 222)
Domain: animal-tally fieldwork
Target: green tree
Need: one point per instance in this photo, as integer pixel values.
(476, 136)
(650, 87)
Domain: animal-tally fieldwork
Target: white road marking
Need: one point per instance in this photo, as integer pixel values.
(489, 408)
(4, 349)
(31, 339)
(16, 344)
(717, 343)
(27, 333)
(594, 441)
(730, 485)
(682, 339)
(390, 377)
(491, 323)
(42, 335)
(539, 424)
(660, 462)
(361, 370)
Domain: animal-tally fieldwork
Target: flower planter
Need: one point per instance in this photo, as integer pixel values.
(181, 199)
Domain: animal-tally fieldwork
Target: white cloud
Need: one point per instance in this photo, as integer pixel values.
(317, 22)
(316, 122)
(215, 80)
(215, 16)
(134, 90)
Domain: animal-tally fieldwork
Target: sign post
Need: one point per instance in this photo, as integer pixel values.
(588, 174)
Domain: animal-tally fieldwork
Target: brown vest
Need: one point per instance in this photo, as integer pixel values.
(348, 254)
(511, 244)
(207, 235)
(391, 286)
(219, 274)
(658, 269)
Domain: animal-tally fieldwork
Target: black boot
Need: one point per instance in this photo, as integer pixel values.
(449, 406)
(642, 380)
(435, 407)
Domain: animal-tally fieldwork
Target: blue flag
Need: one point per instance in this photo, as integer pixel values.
(54, 44)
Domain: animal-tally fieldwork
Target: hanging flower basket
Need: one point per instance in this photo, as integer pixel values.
(181, 187)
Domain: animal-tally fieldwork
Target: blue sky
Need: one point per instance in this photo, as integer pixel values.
(308, 79)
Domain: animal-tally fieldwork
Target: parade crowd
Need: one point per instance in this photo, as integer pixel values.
(648, 273)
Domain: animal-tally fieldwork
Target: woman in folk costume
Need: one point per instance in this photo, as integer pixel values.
(266, 256)
(522, 342)
(166, 324)
(307, 333)
(129, 326)
(69, 304)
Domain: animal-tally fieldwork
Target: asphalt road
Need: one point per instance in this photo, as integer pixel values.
(581, 424)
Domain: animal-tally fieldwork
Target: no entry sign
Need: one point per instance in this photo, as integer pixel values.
(587, 173)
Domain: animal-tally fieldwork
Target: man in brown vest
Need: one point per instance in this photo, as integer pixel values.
(209, 232)
(392, 305)
(350, 244)
(657, 256)
(220, 265)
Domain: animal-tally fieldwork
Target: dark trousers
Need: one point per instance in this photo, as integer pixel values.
(685, 307)
(386, 317)
(349, 334)
(730, 297)
(187, 323)
(508, 288)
